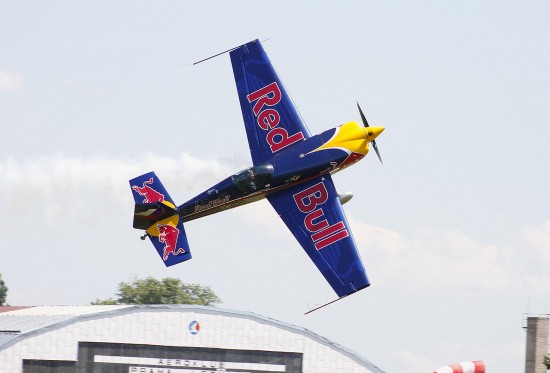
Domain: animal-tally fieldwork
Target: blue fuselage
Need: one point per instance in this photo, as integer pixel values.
(292, 166)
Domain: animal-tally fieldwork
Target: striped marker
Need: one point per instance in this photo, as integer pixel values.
(476, 366)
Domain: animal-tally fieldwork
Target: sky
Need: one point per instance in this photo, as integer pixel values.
(454, 229)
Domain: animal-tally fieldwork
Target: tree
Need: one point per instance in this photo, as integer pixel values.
(547, 362)
(3, 291)
(166, 291)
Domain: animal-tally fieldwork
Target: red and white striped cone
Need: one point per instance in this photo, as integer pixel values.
(476, 366)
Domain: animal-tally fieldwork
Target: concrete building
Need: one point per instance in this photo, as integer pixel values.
(537, 344)
(163, 339)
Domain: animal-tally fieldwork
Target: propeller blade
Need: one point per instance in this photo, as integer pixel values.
(377, 152)
(365, 123)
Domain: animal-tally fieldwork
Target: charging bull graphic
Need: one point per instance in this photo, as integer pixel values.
(149, 193)
(168, 235)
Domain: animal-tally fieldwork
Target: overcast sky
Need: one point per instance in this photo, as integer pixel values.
(454, 229)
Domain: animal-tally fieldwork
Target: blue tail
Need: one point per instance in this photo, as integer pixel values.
(156, 213)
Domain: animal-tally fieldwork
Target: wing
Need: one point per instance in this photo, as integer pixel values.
(272, 121)
(313, 213)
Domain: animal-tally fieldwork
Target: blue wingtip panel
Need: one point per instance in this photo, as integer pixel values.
(314, 215)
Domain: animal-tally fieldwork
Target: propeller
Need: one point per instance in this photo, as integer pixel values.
(366, 124)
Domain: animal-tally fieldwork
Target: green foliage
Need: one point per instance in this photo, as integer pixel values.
(104, 301)
(547, 362)
(3, 292)
(166, 291)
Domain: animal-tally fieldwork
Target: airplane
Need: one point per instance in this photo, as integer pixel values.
(291, 168)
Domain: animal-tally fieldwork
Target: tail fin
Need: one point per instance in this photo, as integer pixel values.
(156, 213)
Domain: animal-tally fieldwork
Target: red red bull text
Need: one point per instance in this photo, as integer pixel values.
(269, 119)
(323, 234)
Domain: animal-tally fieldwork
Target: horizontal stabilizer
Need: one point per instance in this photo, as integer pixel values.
(169, 238)
(156, 213)
(147, 188)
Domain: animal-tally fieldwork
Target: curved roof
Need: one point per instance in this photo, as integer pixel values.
(16, 325)
(18, 322)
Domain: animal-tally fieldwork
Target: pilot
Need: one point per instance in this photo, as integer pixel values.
(251, 181)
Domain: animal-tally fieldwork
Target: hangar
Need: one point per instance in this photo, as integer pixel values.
(163, 339)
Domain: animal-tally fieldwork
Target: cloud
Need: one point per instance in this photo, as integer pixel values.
(56, 187)
(538, 239)
(450, 262)
(409, 361)
(11, 81)
(441, 261)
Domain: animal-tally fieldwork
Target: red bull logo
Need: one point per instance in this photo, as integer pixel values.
(269, 118)
(168, 235)
(149, 193)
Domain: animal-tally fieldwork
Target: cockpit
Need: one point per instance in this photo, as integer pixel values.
(253, 179)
